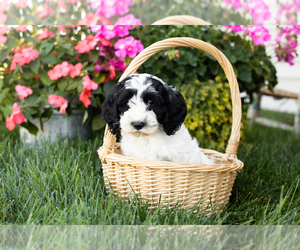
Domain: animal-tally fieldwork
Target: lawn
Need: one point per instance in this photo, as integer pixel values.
(62, 184)
(278, 116)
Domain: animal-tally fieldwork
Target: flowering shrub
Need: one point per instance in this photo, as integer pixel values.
(285, 43)
(58, 67)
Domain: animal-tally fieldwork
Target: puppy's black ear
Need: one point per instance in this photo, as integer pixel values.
(176, 111)
(110, 110)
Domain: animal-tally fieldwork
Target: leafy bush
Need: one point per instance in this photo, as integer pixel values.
(201, 79)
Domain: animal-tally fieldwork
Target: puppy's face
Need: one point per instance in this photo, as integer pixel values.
(140, 103)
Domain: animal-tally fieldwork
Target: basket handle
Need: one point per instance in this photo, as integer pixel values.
(181, 20)
(234, 139)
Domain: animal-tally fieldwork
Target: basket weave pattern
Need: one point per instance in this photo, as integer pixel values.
(170, 182)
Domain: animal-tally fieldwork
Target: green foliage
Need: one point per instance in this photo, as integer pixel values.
(209, 112)
(211, 11)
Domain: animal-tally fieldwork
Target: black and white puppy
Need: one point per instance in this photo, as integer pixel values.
(150, 114)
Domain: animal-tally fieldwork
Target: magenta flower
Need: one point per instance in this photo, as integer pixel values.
(259, 10)
(128, 46)
(128, 20)
(235, 28)
(110, 8)
(235, 3)
(23, 91)
(259, 34)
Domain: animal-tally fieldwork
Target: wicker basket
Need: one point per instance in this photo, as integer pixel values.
(181, 20)
(170, 182)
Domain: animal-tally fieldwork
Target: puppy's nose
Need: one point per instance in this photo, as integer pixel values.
(138, 125)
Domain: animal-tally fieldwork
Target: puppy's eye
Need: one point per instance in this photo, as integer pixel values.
(150, 102)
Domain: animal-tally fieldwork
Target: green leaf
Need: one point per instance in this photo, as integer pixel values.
(66, 45)
(35, 65)
(10, 43)
(62, 84)
(27, 73)
(45, 79)
(95, 55)
(45, 48)
(60, 53)
(49, 59)
(214, 67)
(31, 39)
(85, 117)
(3, 55)
(47, 113)
(32, 129)
(40, 99)
(74, 85)
(1, 83)
(70, 51)
(108, 87)
(98, 122)
(30, 100)
(245, 76)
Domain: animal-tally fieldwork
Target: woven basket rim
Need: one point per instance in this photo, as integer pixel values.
(177, 166)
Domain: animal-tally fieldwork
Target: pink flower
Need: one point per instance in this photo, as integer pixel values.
(45, 34)
(84, 97)
(22, 4)
(3, 39)
(61, 28)
(235, 28)
(90, 19)
(75, 70)
(128, 20)
(24, 56)
(89, 84)
(3, 18)
(23, 91)
(4, 29)
(59, 71)
(47, 10)
(22, 28)
(61, 4)
(259, 34)
(235, 3)
(87, 44)
(128, 46)
(59, 102)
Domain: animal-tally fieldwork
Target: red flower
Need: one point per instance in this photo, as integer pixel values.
(15, 117)
(84, 97)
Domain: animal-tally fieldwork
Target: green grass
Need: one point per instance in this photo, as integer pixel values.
(278, 116)
(62, 184)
